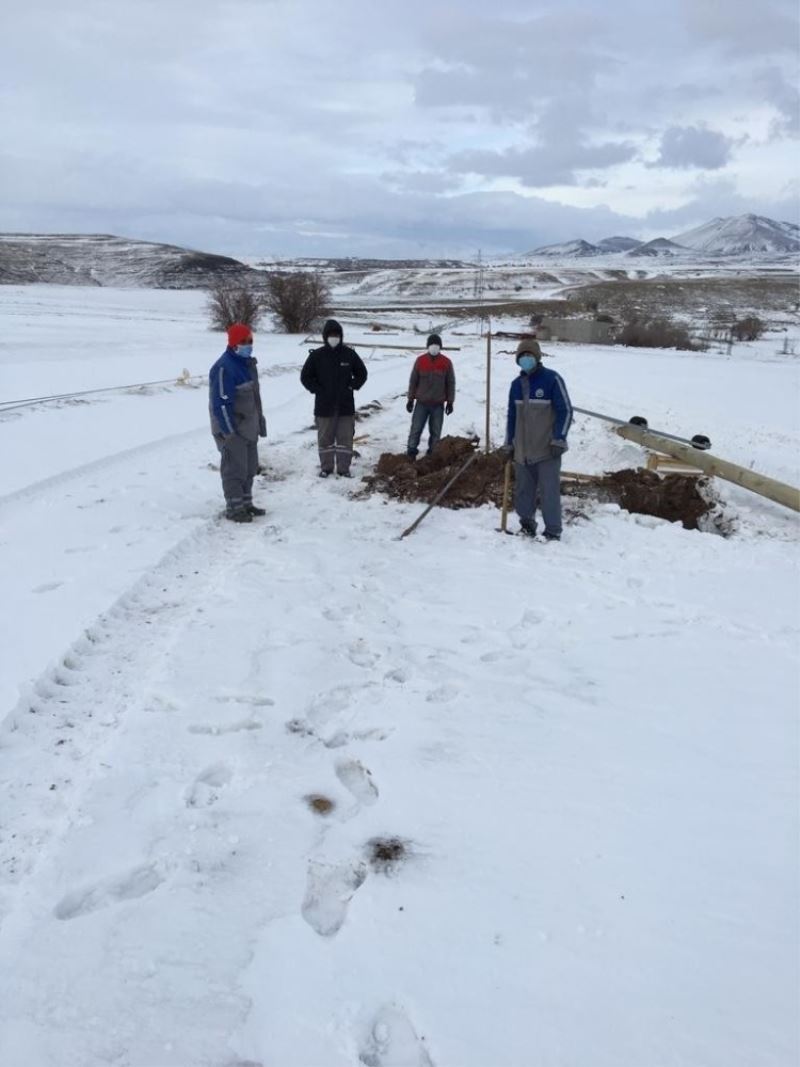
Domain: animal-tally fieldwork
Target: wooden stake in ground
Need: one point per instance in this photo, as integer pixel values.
(506, 490)
(439, 495)
(487, 438)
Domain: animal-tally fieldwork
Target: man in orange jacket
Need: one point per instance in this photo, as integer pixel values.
(431, 395)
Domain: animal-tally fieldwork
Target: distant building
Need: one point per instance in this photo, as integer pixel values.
(579, 331)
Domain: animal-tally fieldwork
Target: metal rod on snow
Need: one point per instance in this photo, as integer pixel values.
(8, 405)
(439, 495)
(624, 422)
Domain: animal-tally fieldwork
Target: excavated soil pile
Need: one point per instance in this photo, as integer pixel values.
(675, 497)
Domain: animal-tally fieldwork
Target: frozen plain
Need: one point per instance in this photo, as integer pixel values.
(590, 749)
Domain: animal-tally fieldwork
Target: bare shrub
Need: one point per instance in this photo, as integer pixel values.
(233, 303)
(297, 300)
(750, 328)
(656, 332)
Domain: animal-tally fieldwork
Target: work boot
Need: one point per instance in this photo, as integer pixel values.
(325, 474)
(344, 474)
(239, 516)
(527, 527)
(254, 511)
(551, 536)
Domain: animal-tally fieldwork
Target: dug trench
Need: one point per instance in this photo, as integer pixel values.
(680, 498)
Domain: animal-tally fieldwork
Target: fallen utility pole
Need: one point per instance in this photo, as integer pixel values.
(779, 492)
(442, 492)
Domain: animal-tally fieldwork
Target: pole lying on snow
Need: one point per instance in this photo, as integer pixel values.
(700, 441)
(779, 492)
(440, 495)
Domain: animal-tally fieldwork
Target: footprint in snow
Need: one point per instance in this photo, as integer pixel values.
(342, 737)
(359, 654)
(244, 698)
(215, 729)
(329, 890)
(399, 675)
(443, 694)
(207, 786)
(129, 886)
(393, 1042)
(48, 587)
(356, 778)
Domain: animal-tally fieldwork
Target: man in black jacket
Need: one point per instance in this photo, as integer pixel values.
(332, 373)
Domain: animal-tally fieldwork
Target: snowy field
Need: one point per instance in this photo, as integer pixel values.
(589, 750)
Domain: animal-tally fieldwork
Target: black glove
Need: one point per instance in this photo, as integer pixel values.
(410, 406)
(558, 448)
(448, 408)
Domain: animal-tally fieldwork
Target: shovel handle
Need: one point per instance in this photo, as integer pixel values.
(506, 487)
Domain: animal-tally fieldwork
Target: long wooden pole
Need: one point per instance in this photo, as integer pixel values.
(487, 436)
(780, 492)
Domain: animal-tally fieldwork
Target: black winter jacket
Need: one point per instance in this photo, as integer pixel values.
(332, 374)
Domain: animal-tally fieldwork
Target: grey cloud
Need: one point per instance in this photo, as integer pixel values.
(539, 167)
(693, 146)
(745, 28)
(784, 97)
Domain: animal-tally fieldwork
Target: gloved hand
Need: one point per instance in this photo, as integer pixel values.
(558, 448)
(508, 450)
(448, 408)
(410, 406)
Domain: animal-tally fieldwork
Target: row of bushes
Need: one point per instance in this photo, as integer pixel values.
(297, 299)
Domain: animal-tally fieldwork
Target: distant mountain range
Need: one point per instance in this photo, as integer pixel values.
(739, 235)
(100, 259)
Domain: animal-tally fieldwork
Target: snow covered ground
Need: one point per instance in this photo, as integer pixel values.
(587, 751)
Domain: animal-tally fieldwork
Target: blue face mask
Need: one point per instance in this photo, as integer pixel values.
(245, 351)
(527, 363)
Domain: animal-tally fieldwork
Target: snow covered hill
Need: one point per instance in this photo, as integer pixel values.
(568, 249)
(742, 235)
(661, 246)
(101, 259)
(560, 781)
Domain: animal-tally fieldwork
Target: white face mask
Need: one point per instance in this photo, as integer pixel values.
(434, 350)
(333, 340)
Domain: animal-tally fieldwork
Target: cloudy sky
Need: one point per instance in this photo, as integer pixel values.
(394, 127)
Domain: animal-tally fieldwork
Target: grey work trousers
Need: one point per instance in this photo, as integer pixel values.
(335, 441)
(237, 467)
(540, 480)
(433, 415)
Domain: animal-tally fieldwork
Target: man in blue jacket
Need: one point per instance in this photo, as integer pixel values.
(539, 418)
(237, 421)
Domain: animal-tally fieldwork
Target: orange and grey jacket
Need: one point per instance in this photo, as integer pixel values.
(432, 380)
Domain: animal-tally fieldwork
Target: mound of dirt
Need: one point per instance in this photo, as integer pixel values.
(674, 497)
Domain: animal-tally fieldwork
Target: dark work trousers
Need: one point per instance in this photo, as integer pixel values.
(433, 415)
(540, 480)
(237, 467)
(335, 441)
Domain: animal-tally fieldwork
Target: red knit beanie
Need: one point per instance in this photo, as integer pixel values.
(238, 334)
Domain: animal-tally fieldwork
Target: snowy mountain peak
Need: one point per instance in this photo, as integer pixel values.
(741, 234)
(575, 248)
(661, 246)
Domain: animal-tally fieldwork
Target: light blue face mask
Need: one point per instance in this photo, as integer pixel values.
(527, 363)
(245, 351)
